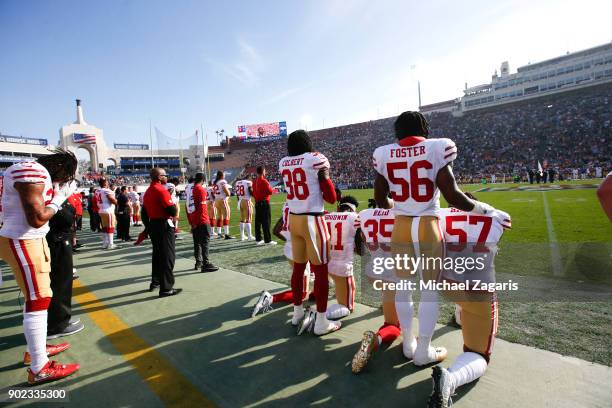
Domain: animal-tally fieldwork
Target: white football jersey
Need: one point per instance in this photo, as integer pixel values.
(210, 193)
(471, 235)
(188, 198)
(301, 179)
(134, 197)
(219, 190)
(342, 227)
(105, 206)
(15, 224)
(411, 166)
(242, 189)
(377, 226)
(173, 193)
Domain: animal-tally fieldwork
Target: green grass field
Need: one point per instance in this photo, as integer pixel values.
(560, 250)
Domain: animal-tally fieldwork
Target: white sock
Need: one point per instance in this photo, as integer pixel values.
(104, 239)
(110, 239)
(337, 311)
(428, 313)
(467, 368)
(227, 230)
(241, 230)
(35, 330)
(248, 228)
(405, 310)
(298, 314)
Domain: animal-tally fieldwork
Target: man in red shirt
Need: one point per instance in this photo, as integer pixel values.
(160, 210)
(262, 192)
(77, 202)
(200, 224)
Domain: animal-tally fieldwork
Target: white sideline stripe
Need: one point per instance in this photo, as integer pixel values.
(555, 255)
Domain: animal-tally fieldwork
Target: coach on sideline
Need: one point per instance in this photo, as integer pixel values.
(199, 221)
(262, 192)
(160, 210)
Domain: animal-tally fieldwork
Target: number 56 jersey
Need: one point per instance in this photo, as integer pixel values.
(411, 166)
(301, 178)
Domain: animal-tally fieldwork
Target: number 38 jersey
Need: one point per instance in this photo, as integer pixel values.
(410, 166)
(342, 227)
(301, 178)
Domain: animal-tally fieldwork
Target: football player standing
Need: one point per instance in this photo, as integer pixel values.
(222, 207)
(244, 191)
(306, 179)
(31, 195)
(414, 170)
(106, 208)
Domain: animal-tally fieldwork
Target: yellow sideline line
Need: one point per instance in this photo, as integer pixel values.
(172, 387)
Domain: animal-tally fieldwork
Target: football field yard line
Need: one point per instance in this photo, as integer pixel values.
(172, 387)
(555, 255)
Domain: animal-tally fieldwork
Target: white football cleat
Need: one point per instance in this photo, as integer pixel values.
(111, 246)
(260, 243)
(442, 388)
(307, 322)
(323, 326)
(251, 238)
(272, 243)
(263, 303)
(243, 238)
(430, 355)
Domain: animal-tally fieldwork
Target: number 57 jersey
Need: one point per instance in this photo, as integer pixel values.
(301, 178)
(411, 166)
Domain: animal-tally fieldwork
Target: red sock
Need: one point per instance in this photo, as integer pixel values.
(286, 296)
(297, 283)
(321, 286)
(389, 332)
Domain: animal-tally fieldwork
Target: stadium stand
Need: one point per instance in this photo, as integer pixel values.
(568, 131)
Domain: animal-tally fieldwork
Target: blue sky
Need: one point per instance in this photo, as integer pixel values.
(223, 64)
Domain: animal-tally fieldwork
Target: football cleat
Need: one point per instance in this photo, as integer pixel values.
(434, 355)
(442, 385)
(307, 323)
(264, 303)
(369, 343)
(324, 326)
(51, 371)
(52, 350)
(298, 315)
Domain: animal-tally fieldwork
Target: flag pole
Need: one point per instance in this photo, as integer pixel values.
(151, 141)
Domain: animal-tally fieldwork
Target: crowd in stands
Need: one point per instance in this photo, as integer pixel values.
(91, 178)
(570, 133)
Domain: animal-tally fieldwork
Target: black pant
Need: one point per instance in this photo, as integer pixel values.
(79, 222)
(60, 308)
(94, 221)
(262, 220)
(162, 238)
(201, 237)
(123, 225)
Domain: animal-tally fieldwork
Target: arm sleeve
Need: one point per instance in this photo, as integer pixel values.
(504, 219)
(329, 190)
(319, 161)
(29, 173)
(377, 162)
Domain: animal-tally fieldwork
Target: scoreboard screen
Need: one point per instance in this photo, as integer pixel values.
(263, 130)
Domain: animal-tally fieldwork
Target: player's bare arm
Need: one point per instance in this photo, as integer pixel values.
(449, 189)
(31, 195)
(381, 192)
(278, 227)
(111, 198)
(359, 240)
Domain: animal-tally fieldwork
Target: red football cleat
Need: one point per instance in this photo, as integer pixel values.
(141, 237)
(51, 371)
(52, 350)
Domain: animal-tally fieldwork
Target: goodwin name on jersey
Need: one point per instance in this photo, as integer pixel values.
(410, 167)
(301, 179)
(342, 227)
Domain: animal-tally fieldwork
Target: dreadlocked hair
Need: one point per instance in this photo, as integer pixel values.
(411, 124)
(347, 200)
(61, 165)
(298, 143)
